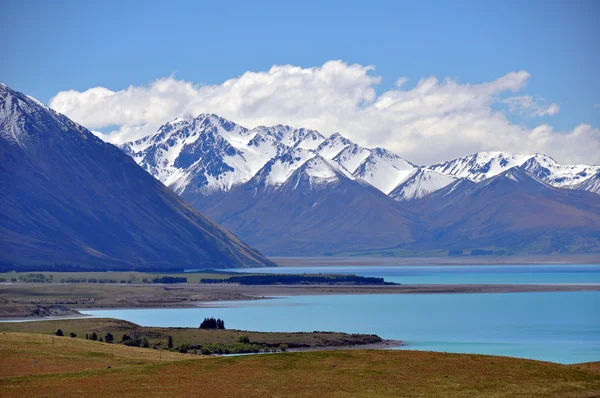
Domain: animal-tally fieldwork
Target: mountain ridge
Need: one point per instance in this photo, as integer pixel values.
(67, 197)
(248, 150)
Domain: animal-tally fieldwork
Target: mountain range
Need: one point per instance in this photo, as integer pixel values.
(68, 199)
(294, 191)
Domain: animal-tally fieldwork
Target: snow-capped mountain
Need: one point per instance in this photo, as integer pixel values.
(563, 176)
(384, 170)
(209, 154)
(204, 155)
(319, 208)
(421, 182)
(333, 145)
(480, 166)
(513, 211)
(484, 165)
(292, 137)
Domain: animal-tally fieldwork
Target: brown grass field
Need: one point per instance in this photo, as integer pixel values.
(34, 365)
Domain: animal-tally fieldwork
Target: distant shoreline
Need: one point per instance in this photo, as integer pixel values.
(110, 297)
(433, 261)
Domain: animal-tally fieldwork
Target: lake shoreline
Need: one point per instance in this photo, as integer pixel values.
(226, 295)
(367, 261)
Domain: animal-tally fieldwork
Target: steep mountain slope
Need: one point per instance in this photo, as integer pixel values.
(591, 184)
(66, 197)
(384, 170)
(515, 212)
(420, 182)
(318, 209)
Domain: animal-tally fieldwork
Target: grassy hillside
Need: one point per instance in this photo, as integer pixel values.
(159, 337)
(40, 365)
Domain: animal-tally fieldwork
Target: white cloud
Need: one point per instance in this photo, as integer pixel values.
(430, 122)
(525, 104)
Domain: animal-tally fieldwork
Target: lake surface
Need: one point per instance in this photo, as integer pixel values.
(463, 274)
(559, 327)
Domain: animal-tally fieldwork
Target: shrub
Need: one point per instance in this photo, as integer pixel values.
(59, 333)
(109, 338)
(125, 338)
(283, 347)
(72, 335)
(244, 339)
(170, 343)
(94, 336)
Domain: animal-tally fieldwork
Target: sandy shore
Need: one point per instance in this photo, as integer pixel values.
(421, 261)
(261, 292)
(24, 300)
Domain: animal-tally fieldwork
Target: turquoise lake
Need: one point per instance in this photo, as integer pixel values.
(559, 327)
(453, 274)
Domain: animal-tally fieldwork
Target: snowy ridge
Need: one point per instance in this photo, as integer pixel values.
(210, 154)
(384, 170)
(22, 117)
(480, 166)
(484, 165)
(562, 176)
(420, 183)
(333, 145)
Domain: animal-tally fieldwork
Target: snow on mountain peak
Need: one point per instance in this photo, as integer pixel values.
(209, 154)
(420, 183)
(22, 117)
(384, 170)
(333, 146)
(481, 166)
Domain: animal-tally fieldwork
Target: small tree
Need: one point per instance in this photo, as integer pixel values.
(125, 338)
(100, 340)
(109, 338)
(170, 343)
(59, 333)
(72, 335)
(283, 347)
(87, 336)
(94, 336)
(145, 343)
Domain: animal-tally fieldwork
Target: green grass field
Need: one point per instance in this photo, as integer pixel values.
(40, 365)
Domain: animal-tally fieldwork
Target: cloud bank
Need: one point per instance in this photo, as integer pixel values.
(432, 121)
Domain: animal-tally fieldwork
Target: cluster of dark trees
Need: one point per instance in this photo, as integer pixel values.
(212, 323)
(135, 341)
(170, 279)
(59, 332)
(303, 279)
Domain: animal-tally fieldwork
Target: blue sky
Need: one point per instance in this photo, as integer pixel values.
(52, 47)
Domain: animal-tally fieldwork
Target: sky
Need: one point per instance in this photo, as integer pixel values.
(429, 80)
